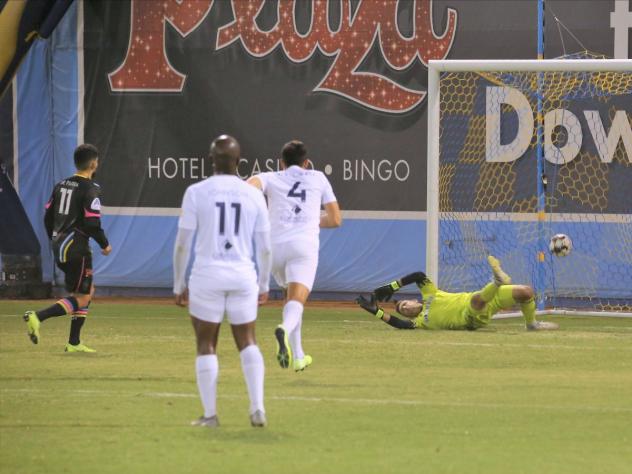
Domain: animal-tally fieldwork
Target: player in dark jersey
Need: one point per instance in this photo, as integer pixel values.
(73, 216)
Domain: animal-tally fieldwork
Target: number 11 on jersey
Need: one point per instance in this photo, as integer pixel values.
(222, 216)
(64, 202)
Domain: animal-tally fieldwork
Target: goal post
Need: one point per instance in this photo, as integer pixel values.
(483, 178)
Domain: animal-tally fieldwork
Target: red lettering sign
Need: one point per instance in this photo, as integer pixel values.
(146, 67)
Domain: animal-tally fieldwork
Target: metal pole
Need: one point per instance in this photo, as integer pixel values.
(540, 268)
(432, 199)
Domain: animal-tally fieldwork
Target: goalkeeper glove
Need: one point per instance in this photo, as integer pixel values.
(370, 306)
(384, 293)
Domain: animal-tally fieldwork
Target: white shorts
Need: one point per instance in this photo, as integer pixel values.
(210, 299)
(295, 262)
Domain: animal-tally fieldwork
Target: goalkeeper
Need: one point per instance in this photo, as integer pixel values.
(442, 310)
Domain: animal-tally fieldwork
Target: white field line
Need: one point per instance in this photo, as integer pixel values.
(366, 401)
(186, 319)
(153, 318)
(427, 343)
(309, 321)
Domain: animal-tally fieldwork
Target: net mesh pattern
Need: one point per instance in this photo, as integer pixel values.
(492, 207)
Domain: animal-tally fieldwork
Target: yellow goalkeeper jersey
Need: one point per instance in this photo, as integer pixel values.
(443, 310)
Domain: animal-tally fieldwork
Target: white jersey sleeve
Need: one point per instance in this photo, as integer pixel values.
(327, 195)
(263, 220)
(188, 218)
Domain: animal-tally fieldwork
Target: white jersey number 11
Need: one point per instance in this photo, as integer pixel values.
(64, 203)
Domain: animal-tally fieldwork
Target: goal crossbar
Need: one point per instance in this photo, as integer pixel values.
(534, 65)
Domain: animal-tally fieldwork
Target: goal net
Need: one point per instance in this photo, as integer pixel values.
(519, 151)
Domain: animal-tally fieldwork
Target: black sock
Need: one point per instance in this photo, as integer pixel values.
(75, 329)
(62, 307)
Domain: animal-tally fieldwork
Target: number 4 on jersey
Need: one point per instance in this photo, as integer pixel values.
(294, 194)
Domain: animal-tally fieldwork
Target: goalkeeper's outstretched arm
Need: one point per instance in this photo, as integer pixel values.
(397, 322)
(385, 292)
(372, 307)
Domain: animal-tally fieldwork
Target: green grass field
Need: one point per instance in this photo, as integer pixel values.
(375, 400)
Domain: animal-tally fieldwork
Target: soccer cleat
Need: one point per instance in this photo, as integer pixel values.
(301, 364)
(283, 353)
(258, 419)
(78, 348)
(32, 325)
(209, 422)
(542, 326)
(500, 277)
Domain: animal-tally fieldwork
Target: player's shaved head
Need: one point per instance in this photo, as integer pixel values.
(225, 153)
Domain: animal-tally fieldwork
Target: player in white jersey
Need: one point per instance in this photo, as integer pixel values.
(227, 215)
(295, 196)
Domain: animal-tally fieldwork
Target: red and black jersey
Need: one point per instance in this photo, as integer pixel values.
(73, 212)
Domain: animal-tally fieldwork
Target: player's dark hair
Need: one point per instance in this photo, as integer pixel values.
(294, 153)
(84, 154)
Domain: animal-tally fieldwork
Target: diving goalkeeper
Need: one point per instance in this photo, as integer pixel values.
(442, 310)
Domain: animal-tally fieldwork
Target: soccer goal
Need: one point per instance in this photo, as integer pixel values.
(519, 151)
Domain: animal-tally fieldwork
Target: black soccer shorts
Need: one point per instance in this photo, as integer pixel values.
(78, 273)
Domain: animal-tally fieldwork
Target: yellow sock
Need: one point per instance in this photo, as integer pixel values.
(505, 295)
(528, 311)
(488, 292)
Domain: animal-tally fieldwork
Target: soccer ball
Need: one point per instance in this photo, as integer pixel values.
(560, 245)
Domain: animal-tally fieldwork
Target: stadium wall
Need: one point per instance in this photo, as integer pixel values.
(354, 91)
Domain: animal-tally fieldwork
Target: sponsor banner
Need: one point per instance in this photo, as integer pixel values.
(339, 75)
(347, 77)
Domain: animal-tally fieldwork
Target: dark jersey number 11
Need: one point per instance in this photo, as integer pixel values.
(222, 216)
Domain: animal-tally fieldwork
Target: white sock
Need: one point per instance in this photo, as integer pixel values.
(207, 370)
(252, 366)
(292, 315)
(295, 341)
